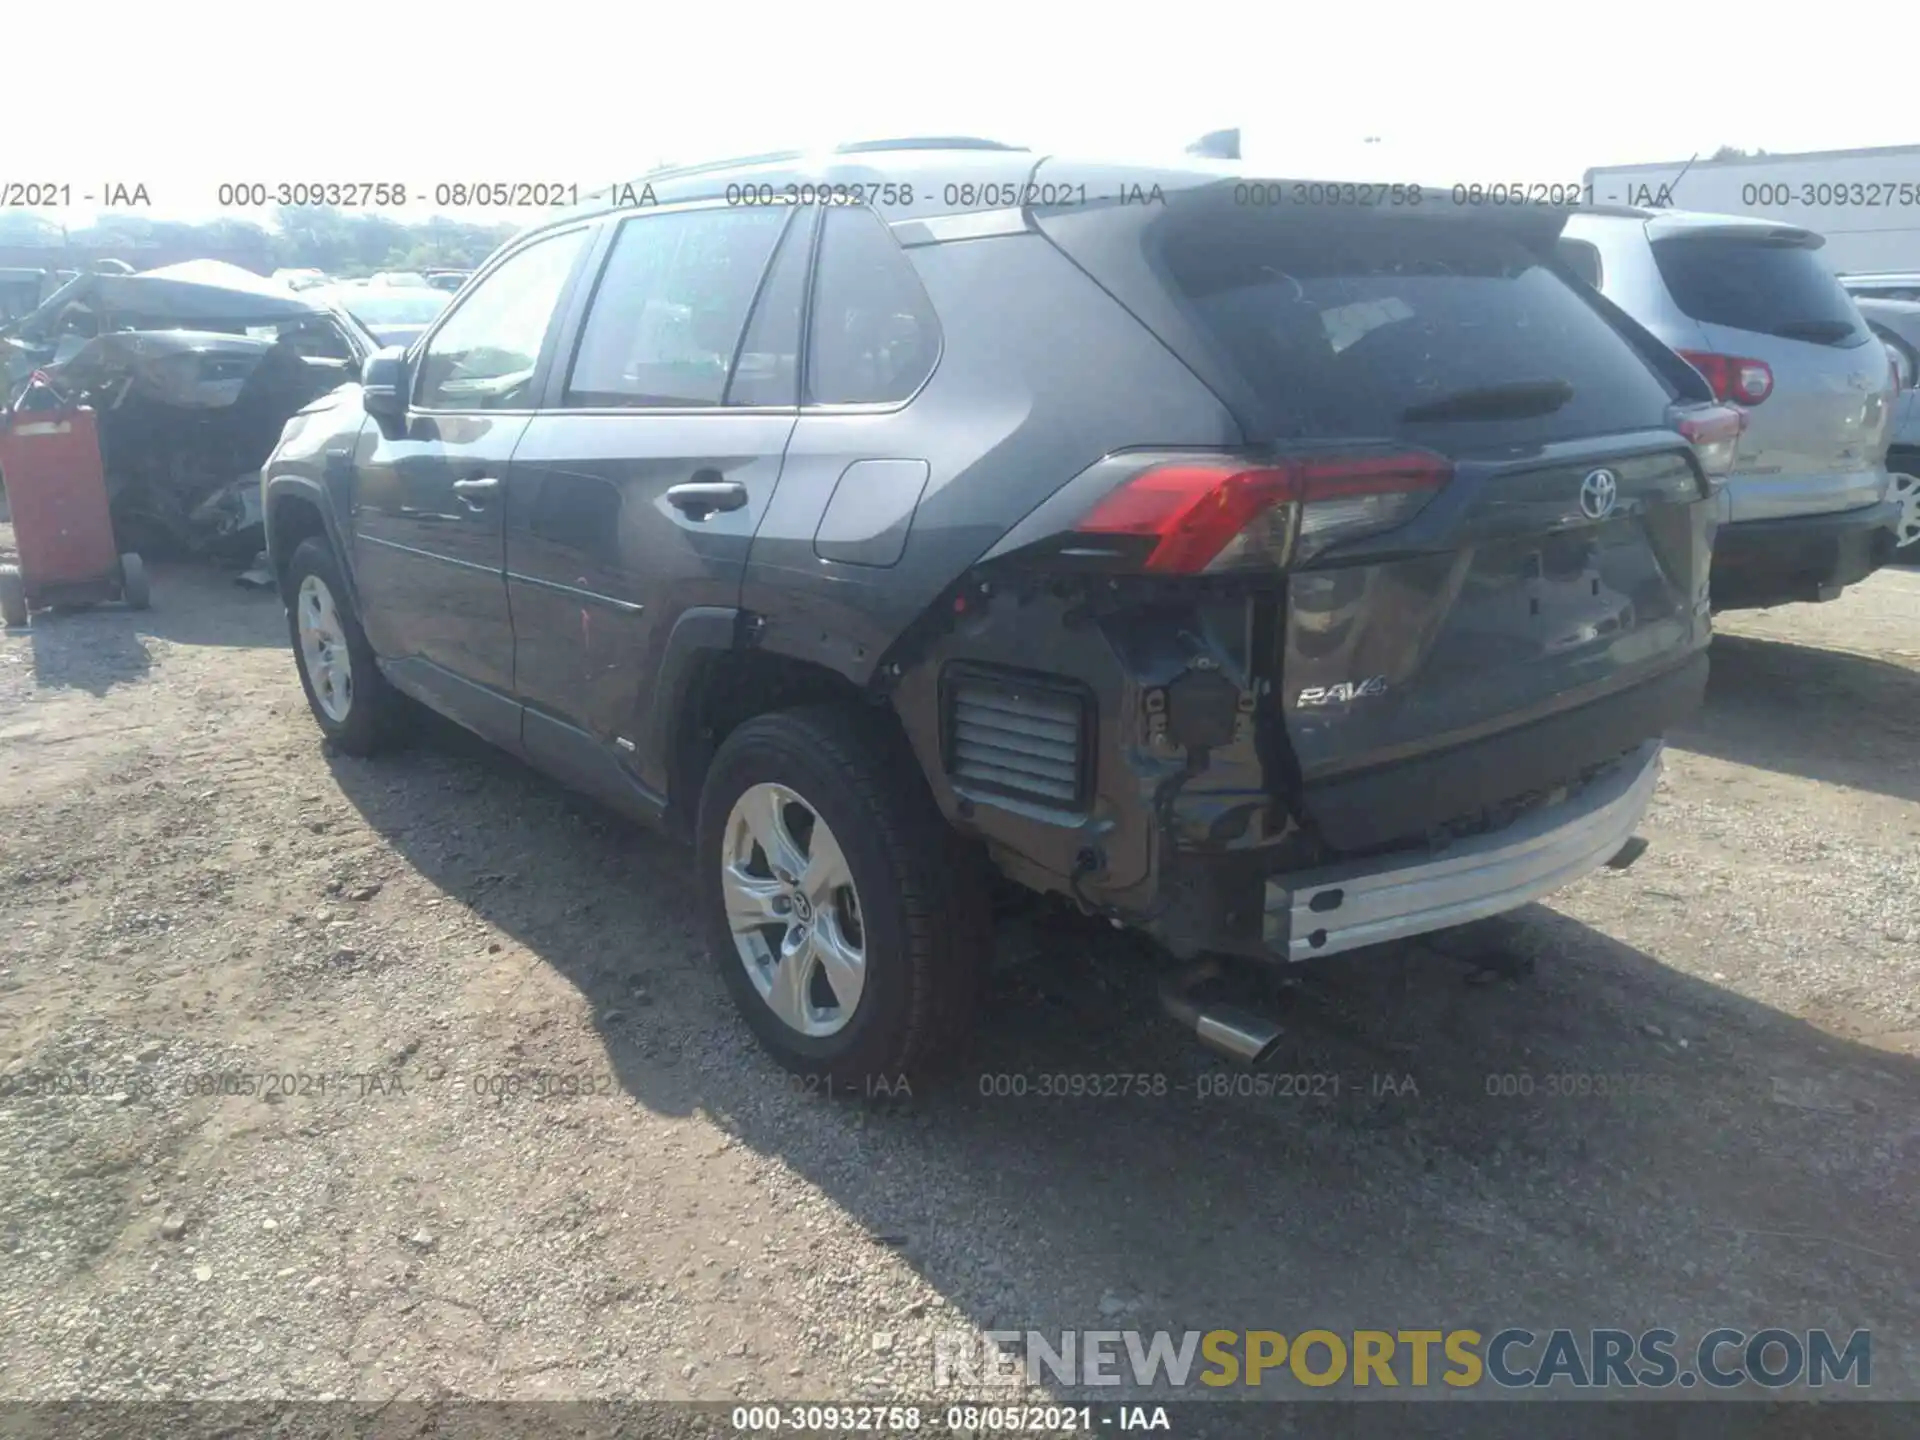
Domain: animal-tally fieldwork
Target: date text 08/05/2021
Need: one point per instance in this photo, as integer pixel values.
(884, 194)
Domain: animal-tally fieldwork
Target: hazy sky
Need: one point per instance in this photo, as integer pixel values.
(184, 96)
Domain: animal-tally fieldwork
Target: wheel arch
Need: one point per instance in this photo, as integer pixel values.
(712, 681)
(297, 509)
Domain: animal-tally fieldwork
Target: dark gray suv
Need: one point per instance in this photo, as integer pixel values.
(1278, 569)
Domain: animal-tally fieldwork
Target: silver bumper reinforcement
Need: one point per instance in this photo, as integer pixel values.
(1344, 907)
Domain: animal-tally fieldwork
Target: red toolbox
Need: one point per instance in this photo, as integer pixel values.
(57, 491)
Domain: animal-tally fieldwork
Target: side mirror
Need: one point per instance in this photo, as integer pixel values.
(384, 382)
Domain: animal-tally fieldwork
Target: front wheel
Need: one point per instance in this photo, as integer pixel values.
(355, 706)
(13, 597)
(849, 923)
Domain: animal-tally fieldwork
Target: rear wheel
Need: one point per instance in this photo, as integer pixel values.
(849, 923)
(13, 596)
(355, 706)
(1906, 493)
(133, 582)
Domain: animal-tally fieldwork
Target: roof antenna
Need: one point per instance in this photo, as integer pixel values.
(1674, 184)
(1217, 145)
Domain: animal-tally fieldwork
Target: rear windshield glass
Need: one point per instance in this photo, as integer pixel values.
(1449, 334)
(1771, 289)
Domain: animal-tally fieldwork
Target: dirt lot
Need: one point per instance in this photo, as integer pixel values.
(189, 886)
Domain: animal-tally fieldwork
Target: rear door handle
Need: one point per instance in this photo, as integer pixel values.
(701, 498)
(476, 492)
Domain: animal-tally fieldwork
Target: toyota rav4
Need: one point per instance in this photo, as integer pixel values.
(1279, 579)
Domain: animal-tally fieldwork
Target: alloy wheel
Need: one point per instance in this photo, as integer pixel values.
(793, 910)
(1906, 493)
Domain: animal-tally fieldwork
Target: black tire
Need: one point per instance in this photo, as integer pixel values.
(924, 904)
(133, 582)
(13, 597)
(377, 715)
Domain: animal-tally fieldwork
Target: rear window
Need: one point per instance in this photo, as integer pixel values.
(1768, 288)
(1375, 327)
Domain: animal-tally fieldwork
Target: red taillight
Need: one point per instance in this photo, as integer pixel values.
(1196, 509)
(1743, 381)
(1714, 432)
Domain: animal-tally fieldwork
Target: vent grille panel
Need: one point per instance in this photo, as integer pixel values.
(1017, 737)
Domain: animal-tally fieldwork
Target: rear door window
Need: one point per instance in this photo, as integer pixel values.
(767, 369)
(1371, 327)
(668, 315)
(1754, 284)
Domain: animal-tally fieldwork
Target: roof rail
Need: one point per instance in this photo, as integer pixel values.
(925, 142)
(857, 147)
(772, 157)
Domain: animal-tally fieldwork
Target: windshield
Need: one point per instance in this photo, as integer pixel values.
(396, 307)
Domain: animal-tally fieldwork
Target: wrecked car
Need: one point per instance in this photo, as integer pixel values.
(21, 291)
(392, 314)
(193, 371)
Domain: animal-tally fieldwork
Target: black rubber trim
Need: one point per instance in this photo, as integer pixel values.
(1783, 559)
(1405, 801)
(698, 634)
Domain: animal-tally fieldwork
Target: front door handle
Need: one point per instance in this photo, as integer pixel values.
(476, 492)
(699, 499)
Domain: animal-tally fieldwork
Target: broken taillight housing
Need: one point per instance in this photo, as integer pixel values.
(1208, 514)
(1714, 432)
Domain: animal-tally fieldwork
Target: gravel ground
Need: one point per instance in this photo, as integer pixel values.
(190, 887)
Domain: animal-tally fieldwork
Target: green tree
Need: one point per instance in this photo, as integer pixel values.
(27, 227)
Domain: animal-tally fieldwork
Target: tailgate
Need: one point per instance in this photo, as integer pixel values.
(1557, 560)
(1503, 642)
(1816, 442)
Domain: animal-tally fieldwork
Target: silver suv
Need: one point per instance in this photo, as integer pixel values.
(1750, 305)
(1897, 323)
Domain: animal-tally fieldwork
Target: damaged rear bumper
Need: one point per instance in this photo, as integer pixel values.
(1344, 907)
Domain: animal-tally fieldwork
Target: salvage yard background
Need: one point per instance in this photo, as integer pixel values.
(190, 886)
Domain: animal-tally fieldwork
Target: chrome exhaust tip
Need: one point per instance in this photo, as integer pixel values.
(1225, 1029)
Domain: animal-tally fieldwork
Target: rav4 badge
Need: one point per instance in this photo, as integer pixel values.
(1340, 694)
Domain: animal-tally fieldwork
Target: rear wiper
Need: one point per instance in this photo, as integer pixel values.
(1515, 401)
(1821, 332)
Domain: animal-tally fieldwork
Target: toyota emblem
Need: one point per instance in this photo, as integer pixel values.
(1598, 492)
